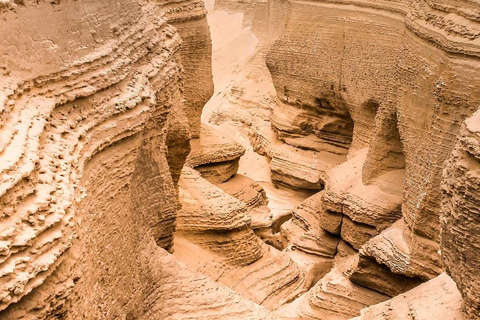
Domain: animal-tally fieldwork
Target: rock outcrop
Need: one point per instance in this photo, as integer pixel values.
(214, 155)
(189, 18)
(386, 85)
(435, 299)
(460, 214)
(215, 237)
(338, 175)
(93, 137)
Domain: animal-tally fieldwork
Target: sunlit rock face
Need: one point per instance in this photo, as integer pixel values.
(460, 216)
(94, 135)
(388, 85)
(337, 176)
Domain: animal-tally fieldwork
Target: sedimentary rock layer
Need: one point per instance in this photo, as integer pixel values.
(406, 75)
(214, 155)
(436, 299)
(215, 238)
(461, 216)
(93, 136)
(189, 18)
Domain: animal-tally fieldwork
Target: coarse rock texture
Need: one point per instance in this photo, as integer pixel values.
(358, 211)
(379, 277)
(333, 297)
(407, 75)
(304, 233)
(461, 216)
(93, 136)
(215, 238)
(189, 18)
(59, 117)
(436, 299)
(253, 195)
(303, 169)
(214, 155)
(318, 126)
(331, 128)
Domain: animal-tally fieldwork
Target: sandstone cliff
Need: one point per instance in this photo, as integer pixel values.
(389, 85)
(335, 174)
(94, 134)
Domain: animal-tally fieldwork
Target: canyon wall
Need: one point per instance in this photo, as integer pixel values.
(386, 85)
(94, 134)
(117, 203)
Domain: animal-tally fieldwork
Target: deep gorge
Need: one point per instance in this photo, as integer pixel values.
(226, 159)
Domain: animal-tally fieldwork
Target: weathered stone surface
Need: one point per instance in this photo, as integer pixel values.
(333, 297)
(363, 101)
(207, 207)
(461, 216)
(404, 91)
(436, 299)
(235, 256)
(214, 155)
(302, 168)
(93, 138)
(252, 194)
(189, 18)
(67, 106)
(314, 128)
(370, 274)
(393, 250)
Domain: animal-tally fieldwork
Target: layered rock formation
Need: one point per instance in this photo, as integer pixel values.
(215, 237)
(394, 80)
(116, 202)
(214, 155)
(94, 134)
(460, 214)
(189, 18)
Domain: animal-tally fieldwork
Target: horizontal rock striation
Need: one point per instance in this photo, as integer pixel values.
(437, 298)
(93, 137)
(214, 155)
(215, 237)
(303, 169)
(57, 118)
(399, 78)
(460, 214)
(189, 18)
(253, 195)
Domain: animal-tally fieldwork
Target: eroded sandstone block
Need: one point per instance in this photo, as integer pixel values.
(214, 155)
(215, 237)
(303, 169)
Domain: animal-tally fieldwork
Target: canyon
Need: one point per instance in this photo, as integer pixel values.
(230, 159)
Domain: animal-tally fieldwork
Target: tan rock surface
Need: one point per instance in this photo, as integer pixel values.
(335, 173)
(460, 214)
(435, 299)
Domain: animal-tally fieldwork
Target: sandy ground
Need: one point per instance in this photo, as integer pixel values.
(235, 48)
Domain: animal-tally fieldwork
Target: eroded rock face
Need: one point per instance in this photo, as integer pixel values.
(460, 214)
(437, 298)
(397, 100)
(94, 135)
(189, 18)
(115, 199)
(215, 237)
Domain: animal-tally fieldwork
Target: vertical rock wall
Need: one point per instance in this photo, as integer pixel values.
(405, 75)
(189, 17)
(406, 81)
(93, 137)
(460, 214)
